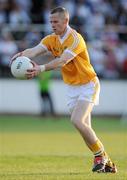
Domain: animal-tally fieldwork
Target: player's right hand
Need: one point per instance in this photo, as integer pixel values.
(33, 72)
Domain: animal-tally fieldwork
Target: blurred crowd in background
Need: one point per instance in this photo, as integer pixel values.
(103, 24)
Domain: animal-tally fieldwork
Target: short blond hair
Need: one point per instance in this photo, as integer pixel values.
(61, 10)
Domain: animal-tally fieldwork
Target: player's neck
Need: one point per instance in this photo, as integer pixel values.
(64, 32)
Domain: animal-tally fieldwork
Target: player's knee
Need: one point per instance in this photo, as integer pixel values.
(74, 119)
(78, 122)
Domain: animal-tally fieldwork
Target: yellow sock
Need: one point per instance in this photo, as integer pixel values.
(97, 148)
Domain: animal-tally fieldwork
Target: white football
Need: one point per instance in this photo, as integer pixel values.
(19, 67)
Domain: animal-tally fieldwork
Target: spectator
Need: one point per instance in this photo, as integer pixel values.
(71, 6)
(48, 5)
(121, 56)
(32, 37)
(7, 49)
(98, 58)
(111, 69)
(35, 12)
(3, 11)
(24, 4)
(18, 15)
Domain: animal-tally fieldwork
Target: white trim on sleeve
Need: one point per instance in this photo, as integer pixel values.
(43, 46)
(69, 51)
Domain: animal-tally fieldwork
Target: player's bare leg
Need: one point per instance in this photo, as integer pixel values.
(81, 118)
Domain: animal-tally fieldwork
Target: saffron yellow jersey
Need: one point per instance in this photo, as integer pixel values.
(78, 71)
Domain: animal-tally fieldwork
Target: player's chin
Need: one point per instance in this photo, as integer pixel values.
(56, 32)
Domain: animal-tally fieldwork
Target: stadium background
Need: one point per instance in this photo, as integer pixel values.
(37, 147)
(103, 25)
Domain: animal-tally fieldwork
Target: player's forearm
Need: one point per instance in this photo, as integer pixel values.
(29, 53)
(56, 63)
(34, 52)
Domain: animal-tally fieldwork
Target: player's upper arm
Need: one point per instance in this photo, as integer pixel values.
(45, 43)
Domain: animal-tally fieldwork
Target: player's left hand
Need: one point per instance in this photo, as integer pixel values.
(31, 73)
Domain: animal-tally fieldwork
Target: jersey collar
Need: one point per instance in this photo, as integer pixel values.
(64, 37)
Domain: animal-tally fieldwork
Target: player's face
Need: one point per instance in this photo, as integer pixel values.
(58, 23)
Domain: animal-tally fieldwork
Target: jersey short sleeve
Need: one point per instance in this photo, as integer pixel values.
(45, 42)
(77, 45)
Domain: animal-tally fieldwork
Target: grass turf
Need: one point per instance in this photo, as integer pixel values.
(33, 148)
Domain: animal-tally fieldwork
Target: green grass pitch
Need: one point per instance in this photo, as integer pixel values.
(36, 148)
